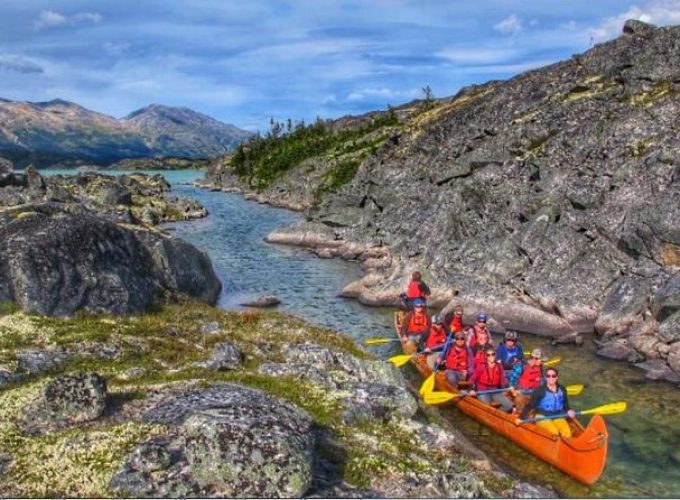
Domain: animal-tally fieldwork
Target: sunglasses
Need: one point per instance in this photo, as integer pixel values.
(510, 340)
(490, 355)
(460, 338)
(551, 376)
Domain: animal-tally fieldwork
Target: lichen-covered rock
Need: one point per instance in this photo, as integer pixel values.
(66, 400)
(225, 356)
(225, 441)
(40, 361)
(371, 402)
(667, 300)
(76, 398)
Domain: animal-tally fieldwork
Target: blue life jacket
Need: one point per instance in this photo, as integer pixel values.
(552, 402)
(507, 356)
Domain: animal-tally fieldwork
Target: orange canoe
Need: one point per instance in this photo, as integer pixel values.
(582, 456)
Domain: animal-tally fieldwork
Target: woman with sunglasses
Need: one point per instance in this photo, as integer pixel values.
(490, 375)
(550, 399)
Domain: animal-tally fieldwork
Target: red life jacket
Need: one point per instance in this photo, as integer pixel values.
(479, 353)
(436, 337)
(531, 377)
(417, 324)
(473, 337)
(457, 359)
(414, 290)
(456, 324)
(490, 378)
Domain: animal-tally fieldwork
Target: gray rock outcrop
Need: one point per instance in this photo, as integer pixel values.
(56, 259)
(226, 441)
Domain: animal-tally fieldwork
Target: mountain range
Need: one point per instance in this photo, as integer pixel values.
(62, 133)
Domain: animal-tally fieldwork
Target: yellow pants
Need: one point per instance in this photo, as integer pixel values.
(558, 427)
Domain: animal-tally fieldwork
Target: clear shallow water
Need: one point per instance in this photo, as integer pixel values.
(644, 445)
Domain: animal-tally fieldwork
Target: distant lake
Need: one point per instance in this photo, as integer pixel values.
(172, 176)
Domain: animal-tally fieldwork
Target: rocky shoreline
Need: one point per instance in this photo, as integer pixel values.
(152, 405)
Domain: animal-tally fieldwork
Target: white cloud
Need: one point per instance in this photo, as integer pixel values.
(50, 19)
(662, 12)
(360, 95)
(511, 25)
(481, 55)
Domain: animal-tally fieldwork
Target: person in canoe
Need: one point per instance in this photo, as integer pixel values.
(550, 399)
(532, 372)
(474, 332)
(491, 375)
(458, 361)
(456, 322)
(434, 340)
(482, 342)
(417, 289)
(511, 355)
(415, 324)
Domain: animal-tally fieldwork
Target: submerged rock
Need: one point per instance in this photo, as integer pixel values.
(264, 301)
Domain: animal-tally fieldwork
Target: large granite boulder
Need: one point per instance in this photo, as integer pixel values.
(56, 259)
(226, 441)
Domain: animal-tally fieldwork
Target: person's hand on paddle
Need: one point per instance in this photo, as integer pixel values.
(472, 393)
(426, 350)
(404, 338)
(571, 413)
(518, 421)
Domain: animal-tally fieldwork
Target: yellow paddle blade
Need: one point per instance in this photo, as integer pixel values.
(608, 409)
(438, 397)
(428, 385)
(400, 359)
(379, 340)
(553, 361)
(574, 389)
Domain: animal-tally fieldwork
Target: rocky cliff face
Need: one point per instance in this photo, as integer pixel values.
(63, 133)
(550, 200)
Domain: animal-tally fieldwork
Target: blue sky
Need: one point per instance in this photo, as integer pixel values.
(244, 62)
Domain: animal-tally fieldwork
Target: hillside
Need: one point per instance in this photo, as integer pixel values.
(63, 133)
(550, 199)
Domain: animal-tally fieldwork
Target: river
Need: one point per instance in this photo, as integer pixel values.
(644, 444)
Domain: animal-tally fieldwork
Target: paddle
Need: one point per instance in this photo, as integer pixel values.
(380, 340)
(428, 385)
(401, 359)
(440, 397)
(608, 409)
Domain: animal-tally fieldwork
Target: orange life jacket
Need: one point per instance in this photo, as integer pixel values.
(457, 359)
(417, 324)
(414, 290)
(436, 337)
(531, 377)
